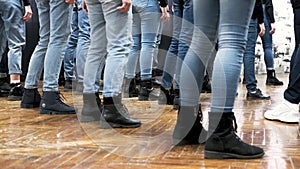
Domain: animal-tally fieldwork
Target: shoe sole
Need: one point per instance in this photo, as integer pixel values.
(278, 120)
(14, 98)
(254, 98)
(29, 106)
(56, 112)
(221, 155)
(109, 125)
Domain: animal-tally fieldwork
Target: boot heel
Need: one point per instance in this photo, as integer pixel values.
(28, 106)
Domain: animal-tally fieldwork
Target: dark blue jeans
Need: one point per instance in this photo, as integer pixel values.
(292, 93)
(181, 39)
(267, 42)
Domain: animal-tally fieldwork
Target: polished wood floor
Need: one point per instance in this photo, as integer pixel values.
(31, 140)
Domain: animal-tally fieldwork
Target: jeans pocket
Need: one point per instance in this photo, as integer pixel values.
(139, 5)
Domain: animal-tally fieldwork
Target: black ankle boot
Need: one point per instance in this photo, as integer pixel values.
(91, 109)
(51, 103)
(223, 142)
(115, 115)
(166, 96)
(31, 98)
(130, 89)
(272, 79)
(176, 99)
(206, 86)
(147, 92)
(188, 129)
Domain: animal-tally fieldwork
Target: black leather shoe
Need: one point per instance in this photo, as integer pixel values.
(257, 95)
(16, 93)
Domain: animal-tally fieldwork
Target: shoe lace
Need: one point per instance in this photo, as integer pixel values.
(235, 126)
(258, 91)
(61, 98)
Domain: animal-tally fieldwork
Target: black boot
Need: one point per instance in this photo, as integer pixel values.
(223, 142)
(91, 109)
(176, 99)
(115, 115)
(147, 92)
(206, 86)
(51, 103)
(271, 78)
(130, 89)
(166, 96)
(188, 129)
(31, 98)
(4, 87)
(68, 86)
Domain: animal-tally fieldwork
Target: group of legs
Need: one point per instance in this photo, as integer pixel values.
(110, 38)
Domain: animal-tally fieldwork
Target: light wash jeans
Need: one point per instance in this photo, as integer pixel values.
(55, 21)
(110, 37)
(181, 39)
(249, 56)
(69, 58)
(228, 21)
(145, 30)
(12, 30)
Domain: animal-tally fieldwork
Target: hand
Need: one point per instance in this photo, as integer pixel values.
(28, 13)
(272, 31)
(84, 7)
(125, 6)
(69, 1)
(262, 29)
(165, 16)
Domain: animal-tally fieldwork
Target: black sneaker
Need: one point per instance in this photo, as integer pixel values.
(16, 93)
(257, 95)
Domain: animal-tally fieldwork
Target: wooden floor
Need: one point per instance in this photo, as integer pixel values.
(31, 140)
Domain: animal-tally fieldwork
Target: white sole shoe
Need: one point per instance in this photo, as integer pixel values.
(285, 112)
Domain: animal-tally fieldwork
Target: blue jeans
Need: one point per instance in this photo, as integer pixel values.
(110, 37)
(267, 42)
(69, 58)
(249, 56)
(292, 93)
(12, 30)
(145, 28)
(181, 39)
(54, 20)
(231, 23)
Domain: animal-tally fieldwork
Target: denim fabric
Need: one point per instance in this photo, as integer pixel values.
(13, 27)
(55, 21)
(292, 93)
(145, 28)
(110, 35)
(249, 56)
(182, 36)
(230, 18)
(69, 58)
(267, 42)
